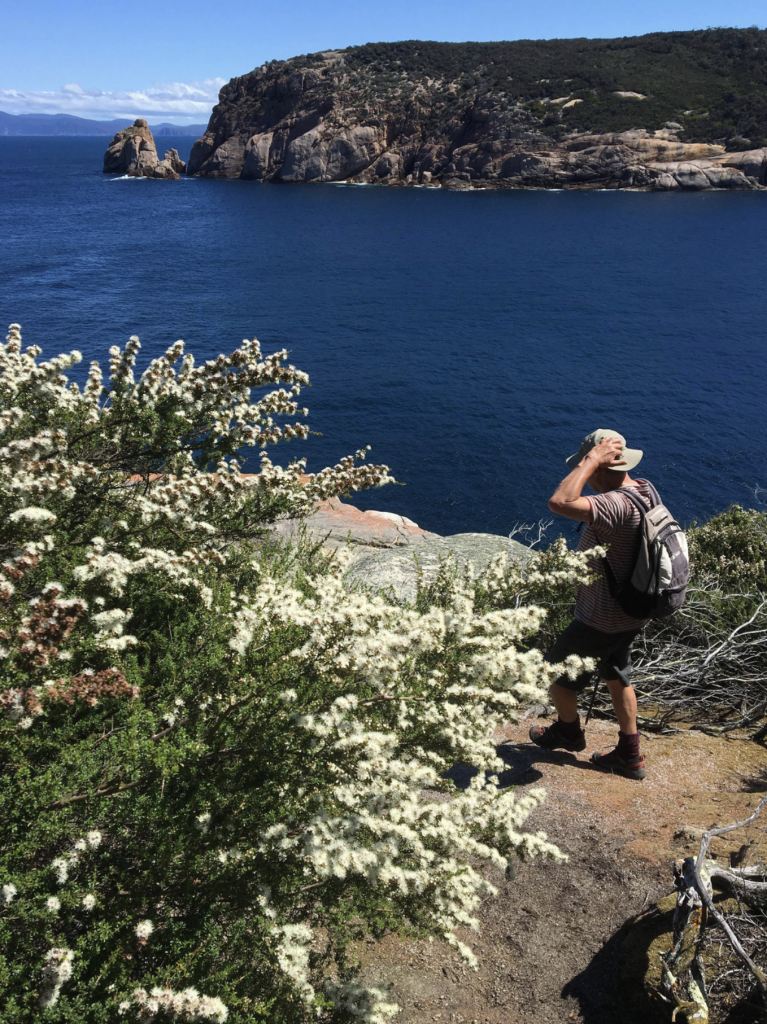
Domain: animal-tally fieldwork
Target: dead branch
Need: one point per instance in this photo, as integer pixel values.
(700, 868)
(694, 880)
(699, 668)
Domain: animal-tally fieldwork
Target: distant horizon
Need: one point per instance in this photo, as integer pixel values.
(111, 122)
(77, 45)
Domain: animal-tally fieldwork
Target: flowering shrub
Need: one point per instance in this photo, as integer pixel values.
(221, 768)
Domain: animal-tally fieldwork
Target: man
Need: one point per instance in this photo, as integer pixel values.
(600, 629)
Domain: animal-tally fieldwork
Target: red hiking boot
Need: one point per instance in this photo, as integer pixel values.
(631, 767)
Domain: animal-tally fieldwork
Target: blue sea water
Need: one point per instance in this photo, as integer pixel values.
(471, 338)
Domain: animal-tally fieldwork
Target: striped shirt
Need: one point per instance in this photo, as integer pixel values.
(617, 526)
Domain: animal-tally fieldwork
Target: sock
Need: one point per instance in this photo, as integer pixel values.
(570, 730)
(628, 745)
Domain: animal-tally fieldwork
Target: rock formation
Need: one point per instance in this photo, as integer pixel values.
(133, 152)
(385, 546)
(333, 521)
(329, 117)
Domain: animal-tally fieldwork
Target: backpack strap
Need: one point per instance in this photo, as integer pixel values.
(612, 582)
(638, 502)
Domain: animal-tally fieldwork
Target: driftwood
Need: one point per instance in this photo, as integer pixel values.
(694, 668)
(695, 879)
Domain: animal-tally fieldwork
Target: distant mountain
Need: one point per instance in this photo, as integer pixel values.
(67, 124)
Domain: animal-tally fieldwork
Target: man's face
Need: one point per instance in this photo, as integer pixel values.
(593, 480)
(604, 479)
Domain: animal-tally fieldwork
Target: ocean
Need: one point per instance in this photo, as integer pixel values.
(471, 338)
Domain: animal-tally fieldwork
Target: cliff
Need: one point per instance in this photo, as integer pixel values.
(133, 152)
(684, 110)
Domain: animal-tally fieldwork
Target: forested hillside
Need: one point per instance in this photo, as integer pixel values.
(713, 82)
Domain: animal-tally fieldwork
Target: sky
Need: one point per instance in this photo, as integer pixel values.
(167, 61)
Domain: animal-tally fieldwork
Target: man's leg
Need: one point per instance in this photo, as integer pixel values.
(626, 758)
(565, 701)
(624, 704)
(566, 731)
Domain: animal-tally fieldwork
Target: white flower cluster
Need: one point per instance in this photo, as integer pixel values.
(110, 629)
(557, 565)
(292, 952)
(211, 403)
(113, 569)
(32, 514)
(28, 555)
(366, 1005)
(8, 894)
(57, 971)
(62, 866)
(376, 823)
(187, 1005)
(144, 929)
(202, 822)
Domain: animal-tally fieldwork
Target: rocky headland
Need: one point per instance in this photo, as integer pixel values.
(133, 152)
(389, 550)
(558, 114)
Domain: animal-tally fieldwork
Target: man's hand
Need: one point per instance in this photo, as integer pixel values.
(606, 453)
(567, 500)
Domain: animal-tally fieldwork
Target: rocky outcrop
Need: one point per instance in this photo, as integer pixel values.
(388, 549)
(327, 118)
(397, 571)
(334, 523)
(171, 166)
(133, 152)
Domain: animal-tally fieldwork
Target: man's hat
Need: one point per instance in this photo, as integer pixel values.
(631, 456)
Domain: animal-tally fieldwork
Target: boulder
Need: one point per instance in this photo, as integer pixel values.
(751, 162)
(171, 166)
(396, 569)
(321, 154)
(257, 152)
(334, 523)
(387, 549)
(226, 160)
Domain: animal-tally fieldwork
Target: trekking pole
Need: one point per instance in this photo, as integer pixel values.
(593, 701)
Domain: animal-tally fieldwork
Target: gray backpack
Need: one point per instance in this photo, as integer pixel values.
(658, 585)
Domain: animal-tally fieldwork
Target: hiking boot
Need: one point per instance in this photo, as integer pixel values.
(631, 768)
(552, 739)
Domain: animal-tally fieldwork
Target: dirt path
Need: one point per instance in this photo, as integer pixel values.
(555, 946)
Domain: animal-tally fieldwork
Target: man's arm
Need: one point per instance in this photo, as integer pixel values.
(567, 500)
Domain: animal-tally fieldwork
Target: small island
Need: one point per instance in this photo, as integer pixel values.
(133, 152)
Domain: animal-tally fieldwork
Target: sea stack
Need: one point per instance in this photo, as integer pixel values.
(133, 152)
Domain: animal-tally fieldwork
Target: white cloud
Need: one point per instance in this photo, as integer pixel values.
(180, 102)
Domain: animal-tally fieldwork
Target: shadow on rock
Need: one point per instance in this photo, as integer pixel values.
(619, 982)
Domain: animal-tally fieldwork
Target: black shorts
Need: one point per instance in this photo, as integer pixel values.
(612, 651)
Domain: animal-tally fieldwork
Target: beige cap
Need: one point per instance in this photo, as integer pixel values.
(630, 457)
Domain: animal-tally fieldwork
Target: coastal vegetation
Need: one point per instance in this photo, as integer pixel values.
(712, 82)
(222, 770)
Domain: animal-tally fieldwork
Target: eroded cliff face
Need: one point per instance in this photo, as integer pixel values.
(328, 119)
(133, 152)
